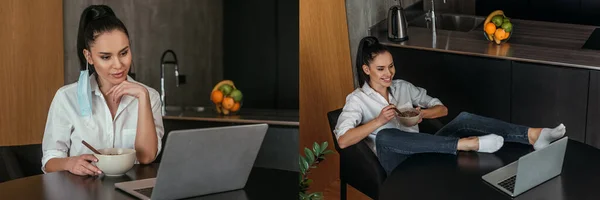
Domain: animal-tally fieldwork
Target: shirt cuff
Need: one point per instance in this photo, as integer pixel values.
(49, 154)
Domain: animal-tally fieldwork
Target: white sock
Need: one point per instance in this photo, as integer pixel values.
(548, 135)
(490, 143)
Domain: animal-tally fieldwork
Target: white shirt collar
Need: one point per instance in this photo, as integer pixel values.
(366, 88)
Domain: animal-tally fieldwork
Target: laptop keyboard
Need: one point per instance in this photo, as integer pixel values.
(145, 191)
(509, 184)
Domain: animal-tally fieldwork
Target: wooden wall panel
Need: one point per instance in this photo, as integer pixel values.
(325, 80)
(31, 67)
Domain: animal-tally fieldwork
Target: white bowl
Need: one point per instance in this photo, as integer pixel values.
(115, 165)
(409, 121)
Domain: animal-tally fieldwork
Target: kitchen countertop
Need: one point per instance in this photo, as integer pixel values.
(271, 117)
(532, 41)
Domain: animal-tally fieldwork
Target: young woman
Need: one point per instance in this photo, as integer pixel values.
(106, 108)
(369, 114)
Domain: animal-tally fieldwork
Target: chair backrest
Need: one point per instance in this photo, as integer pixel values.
(20, 161)
(359, 166)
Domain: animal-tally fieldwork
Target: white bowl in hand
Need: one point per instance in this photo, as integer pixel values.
(409, 116)
(115, 161)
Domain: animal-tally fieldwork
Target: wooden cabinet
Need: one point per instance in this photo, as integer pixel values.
(31, 67)
(589, 12)
(593, 112)
(518, 9)
(562, 11)
(545, 96)
(477, 85)
(260, 47)
(287, 55)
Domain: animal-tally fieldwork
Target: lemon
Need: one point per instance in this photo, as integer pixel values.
(226, 89)
(507, 26)
(497, 20)
(236, 95)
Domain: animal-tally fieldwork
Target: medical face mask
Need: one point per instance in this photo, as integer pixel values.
(84, 94)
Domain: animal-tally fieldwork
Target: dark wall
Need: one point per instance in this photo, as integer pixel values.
(564, 11)
(192, 29)
(261, 51)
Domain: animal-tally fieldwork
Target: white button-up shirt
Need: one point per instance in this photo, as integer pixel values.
(66, 128)
(364, 104)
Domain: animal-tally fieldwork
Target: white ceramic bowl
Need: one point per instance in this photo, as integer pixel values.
(117, 164)
(409, 121)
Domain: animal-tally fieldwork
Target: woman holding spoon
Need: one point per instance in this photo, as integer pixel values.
(105, 108)
(369, 111)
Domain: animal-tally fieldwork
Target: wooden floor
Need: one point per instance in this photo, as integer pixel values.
(333, 192)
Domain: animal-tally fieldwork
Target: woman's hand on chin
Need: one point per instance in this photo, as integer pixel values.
(127, 88)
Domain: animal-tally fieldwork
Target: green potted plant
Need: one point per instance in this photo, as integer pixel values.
(309, 161)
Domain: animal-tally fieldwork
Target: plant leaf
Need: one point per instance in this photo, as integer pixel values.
(310, 157)
(324, 146)
(309, 181)
(303, 196)
(328, 151)
(316, 148)
(315, 195)
(305, 165)
(301, 163)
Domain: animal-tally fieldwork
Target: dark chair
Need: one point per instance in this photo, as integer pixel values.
(20, 161)
(359, 166)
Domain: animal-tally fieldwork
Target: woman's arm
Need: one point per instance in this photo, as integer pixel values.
(434, 112)
(79, 165)
(355, 135)
(57, 142)
(146, 138)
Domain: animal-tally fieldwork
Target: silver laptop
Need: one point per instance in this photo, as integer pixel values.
(202, 161)
(530, 170)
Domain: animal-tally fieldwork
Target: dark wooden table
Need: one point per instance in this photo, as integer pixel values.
(263, 183)
(439, 176)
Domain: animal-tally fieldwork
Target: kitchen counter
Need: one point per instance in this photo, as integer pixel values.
(271, 117)
(532, 41)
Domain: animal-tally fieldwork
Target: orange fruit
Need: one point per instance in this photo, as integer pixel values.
(490, 28)
(216, 96)
(235, 107)
(228, 103)
(500, 34)
(506, 35)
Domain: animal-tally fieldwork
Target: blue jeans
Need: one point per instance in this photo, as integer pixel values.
(394, 146)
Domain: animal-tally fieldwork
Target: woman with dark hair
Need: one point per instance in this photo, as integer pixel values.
(106, 108)
(369, 111)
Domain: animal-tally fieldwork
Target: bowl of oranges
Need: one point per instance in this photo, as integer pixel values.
(497, 27)
(226, 97)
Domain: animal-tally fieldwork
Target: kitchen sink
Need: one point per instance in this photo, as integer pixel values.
(450, 22)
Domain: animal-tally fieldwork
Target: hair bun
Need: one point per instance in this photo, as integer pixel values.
(100, 11)
(370, 41)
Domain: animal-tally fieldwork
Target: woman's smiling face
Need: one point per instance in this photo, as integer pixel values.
(381, 70)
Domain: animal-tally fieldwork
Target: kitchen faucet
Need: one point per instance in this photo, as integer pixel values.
(179, 79)
(431, 16)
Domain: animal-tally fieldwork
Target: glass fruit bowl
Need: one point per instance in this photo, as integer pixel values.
(497, 27)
